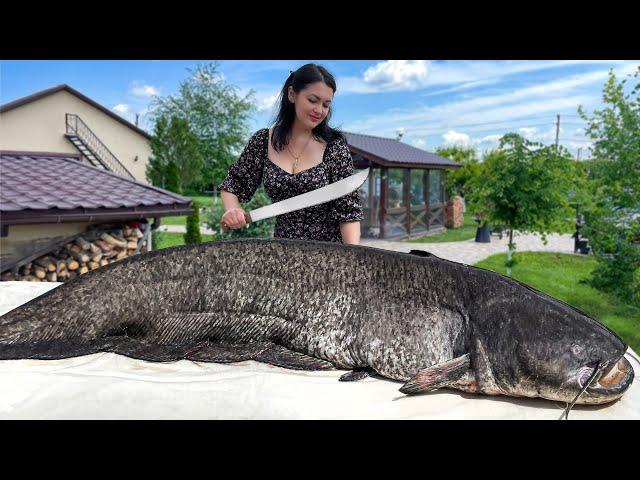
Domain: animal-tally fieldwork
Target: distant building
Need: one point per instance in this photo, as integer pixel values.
(68, 163)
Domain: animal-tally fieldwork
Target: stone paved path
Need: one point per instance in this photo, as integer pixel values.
(467, 251)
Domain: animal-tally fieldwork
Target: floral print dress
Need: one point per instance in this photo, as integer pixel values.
(319, 222)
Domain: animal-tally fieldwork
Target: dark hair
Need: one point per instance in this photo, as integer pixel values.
(299, 79)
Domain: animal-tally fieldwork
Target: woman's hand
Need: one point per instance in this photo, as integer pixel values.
(234, 218)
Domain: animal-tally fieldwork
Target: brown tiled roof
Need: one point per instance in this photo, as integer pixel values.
(43, 187)
(58, 88)
(391, 152)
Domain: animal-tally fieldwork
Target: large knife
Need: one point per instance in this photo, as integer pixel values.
(308, 199)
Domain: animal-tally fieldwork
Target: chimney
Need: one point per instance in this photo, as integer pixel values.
(137, 117)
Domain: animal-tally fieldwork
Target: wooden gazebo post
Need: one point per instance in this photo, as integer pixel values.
(384, 194)
(406, 193)
(425, 193)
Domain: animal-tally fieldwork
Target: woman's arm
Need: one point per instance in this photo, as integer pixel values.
(350, 232)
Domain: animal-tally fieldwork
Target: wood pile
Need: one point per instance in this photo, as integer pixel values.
(93, 249)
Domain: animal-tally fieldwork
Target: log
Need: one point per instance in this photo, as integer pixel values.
(95, 249)
(121, 254)
(39, 272)
(52, 277)
(97, 257)
(104, 246)
(138, 233)
(83, 269)
(133, 244)
(93, 265)
(82, 243)
(72, 265)
(46, 262)
(113, 241)
(81, 257)
(63, 275)
(75, 248)
(104, 262)
(60, 266)
(7, 276)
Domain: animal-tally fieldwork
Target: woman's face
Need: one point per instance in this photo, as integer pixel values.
(312, 103)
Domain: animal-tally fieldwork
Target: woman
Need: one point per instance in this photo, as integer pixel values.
(300, 153)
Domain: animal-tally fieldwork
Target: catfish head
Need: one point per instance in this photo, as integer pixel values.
(536, 346)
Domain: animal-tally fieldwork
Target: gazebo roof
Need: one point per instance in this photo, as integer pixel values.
(390, 152)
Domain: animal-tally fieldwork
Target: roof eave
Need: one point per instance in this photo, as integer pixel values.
(57, 215)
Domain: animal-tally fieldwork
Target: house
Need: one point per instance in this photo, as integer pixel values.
(404, 195)
(63, 120)
(69, 166)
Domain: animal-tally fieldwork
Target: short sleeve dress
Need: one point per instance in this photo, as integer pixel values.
(319, 222)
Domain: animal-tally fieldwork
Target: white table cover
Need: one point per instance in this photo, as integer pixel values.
(110, 386)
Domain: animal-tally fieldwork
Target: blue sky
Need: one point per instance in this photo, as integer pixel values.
(432, 102)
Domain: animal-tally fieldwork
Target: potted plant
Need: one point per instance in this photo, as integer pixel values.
(483, 234)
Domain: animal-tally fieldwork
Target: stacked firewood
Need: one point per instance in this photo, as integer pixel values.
(92, 250)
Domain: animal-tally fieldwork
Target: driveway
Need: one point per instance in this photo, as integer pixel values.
(467, 251)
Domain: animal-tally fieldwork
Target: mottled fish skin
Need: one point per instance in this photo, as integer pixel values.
(353, 306)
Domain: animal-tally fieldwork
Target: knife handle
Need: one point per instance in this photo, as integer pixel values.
(247, 218)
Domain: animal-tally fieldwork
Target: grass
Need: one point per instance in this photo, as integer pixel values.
(205, 201)
(172, 239)
(466, 232)
(560, 275)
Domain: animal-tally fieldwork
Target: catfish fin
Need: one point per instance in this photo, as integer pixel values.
(283, 357)
(421, 253)
(357, 374)
(437, 376)
(220, 352)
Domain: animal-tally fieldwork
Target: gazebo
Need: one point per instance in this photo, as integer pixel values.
(404, 195)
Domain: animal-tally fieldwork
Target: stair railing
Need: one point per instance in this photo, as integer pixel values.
(75, 126)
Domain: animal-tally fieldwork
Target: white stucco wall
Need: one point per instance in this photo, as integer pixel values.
(39, 126)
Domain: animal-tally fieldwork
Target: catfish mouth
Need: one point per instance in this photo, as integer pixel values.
(614, 379)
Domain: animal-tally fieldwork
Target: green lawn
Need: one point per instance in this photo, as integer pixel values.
(171, 239)
(559, 275)
(205, 201)
(466, 232)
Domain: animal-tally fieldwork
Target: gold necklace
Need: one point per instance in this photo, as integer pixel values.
(296, 158)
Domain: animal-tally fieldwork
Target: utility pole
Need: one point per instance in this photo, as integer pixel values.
(557, 131)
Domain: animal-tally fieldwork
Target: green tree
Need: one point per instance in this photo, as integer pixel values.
(173, 141)
(457, 181)
(262, 228)
(172, 182)
(613, 215)
(525, 186)
(156, 171)
(193, 225)
(217, 116)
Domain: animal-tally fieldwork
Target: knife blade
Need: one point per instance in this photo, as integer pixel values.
(308, 199)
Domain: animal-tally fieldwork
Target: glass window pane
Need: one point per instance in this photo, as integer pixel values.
(435, 194)
(396, 179)
(417, 190)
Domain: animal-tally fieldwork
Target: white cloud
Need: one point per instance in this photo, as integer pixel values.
(267, 103)
(494, 139)
(144, 91)
(419, 143)
(121, 108)
(461, 75)
(398, 74)
(456, 138)
(528, 131)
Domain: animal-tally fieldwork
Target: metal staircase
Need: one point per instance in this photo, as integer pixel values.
(92, 147)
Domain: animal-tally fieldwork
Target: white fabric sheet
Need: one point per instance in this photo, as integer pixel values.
(109, 386)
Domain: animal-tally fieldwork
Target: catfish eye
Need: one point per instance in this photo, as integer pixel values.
(576, 349)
